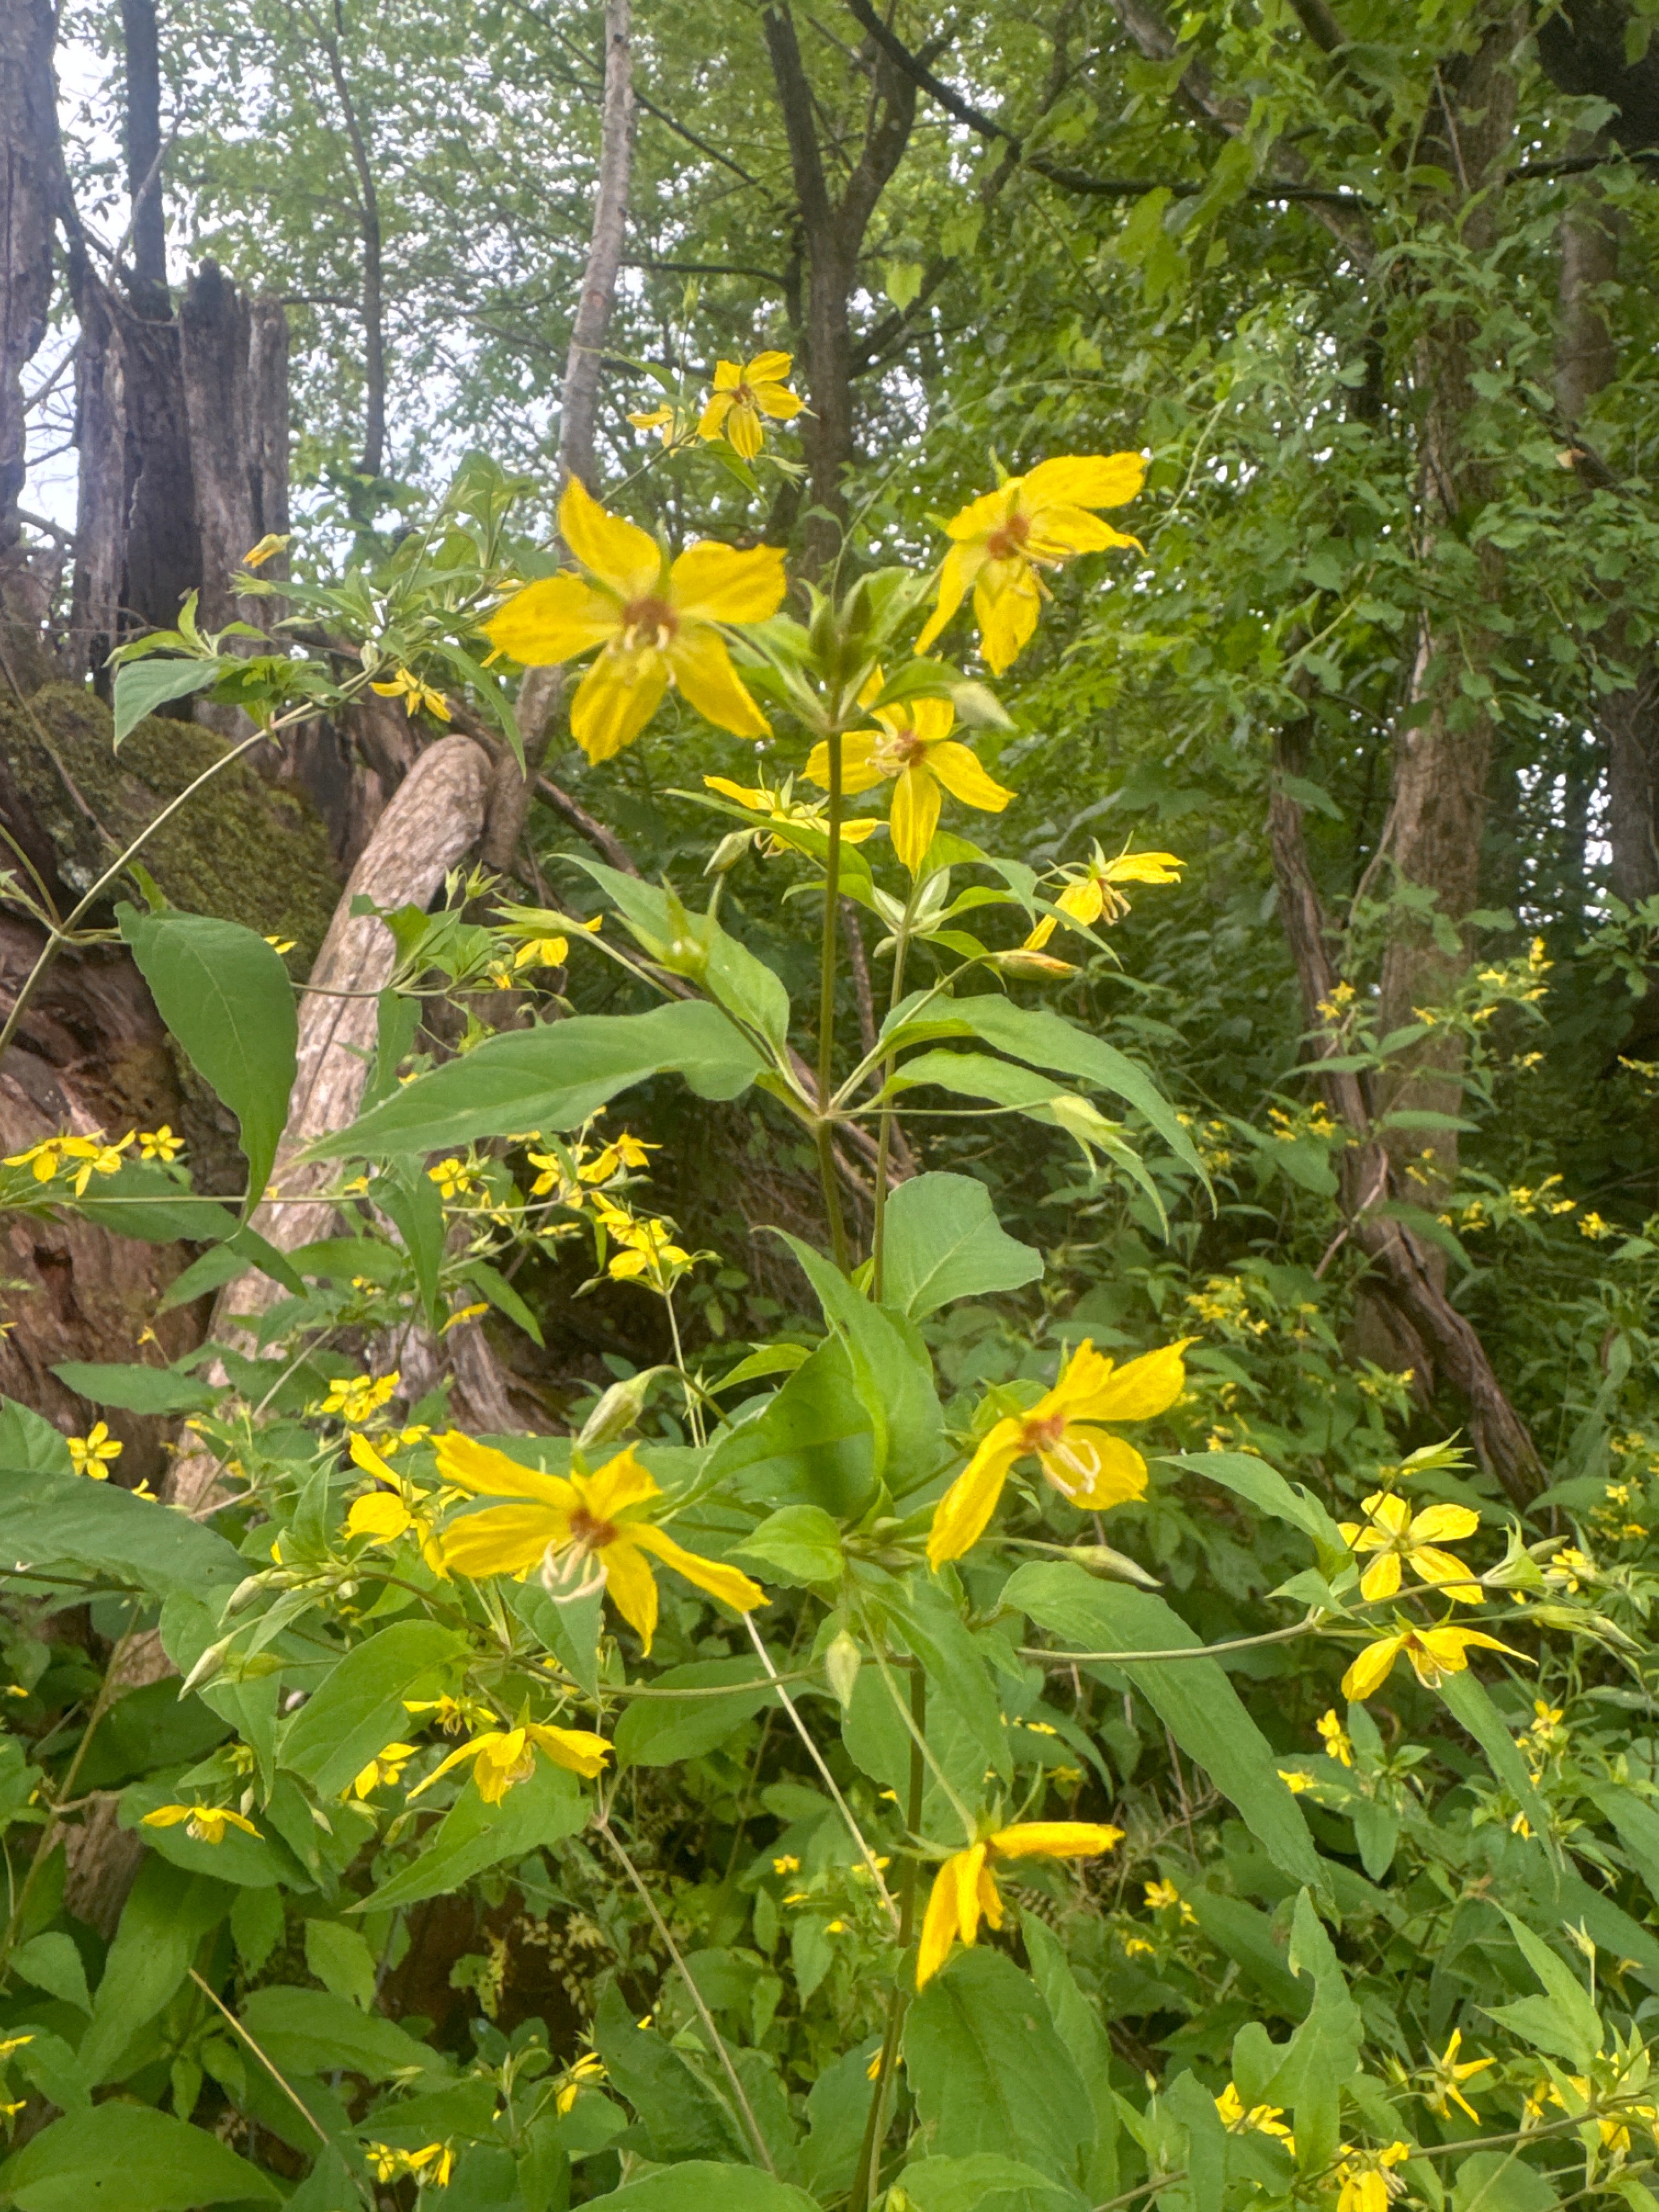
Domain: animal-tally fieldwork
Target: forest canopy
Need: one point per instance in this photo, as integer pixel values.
(829, 1045)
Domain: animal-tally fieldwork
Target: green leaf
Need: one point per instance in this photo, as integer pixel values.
(661, 1732)
(800, 1543)
(813, 1444)
(313, 2032)
(53, 1963)
(260, 1861)
(97, 1528)
(165, 1915)
(137, 1389)
(684, 2117)
(503, 1295)
(358, 1708)
(700, 2185)
(129, 2158)
(472, 1836)
(942, 1241)
(29, 1443)
(342, 1962)
(1324, 2053)
(892, 1375)
(1565, 2022)
(225, 995)
(552, 1077)
(741, 984)
(141, 686)
(1501, 2181)
(1192, 1697)
(1083, 2033)
(1267, 1489)
(967, 2184)
(1046, 1040)
(990, 2072)
(1466, 1699)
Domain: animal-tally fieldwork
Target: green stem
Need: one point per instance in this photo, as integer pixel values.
(869, 2167)
(884, 1127)
(827, 960)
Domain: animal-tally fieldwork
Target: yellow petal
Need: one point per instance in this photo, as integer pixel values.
(1381, 1579)
(578, 1749)
(711, 423)
(1371, 1669)
(1095, 1469)
(782, 406)
(971, 1878)
(632, 1587)
(730, 1584)
(1006, 621)
(618, 553)
(1390, 1510)
(961, 1515)
(728, 375)
(1060, 532)
(988, 1897)
(365, 1456)
(383, 1516)
(1147, 1387)
(931, 718)
(1444, 1524)
(620, 1483)
(1056, 1839)
(503, 1540)
(711, 582)
(550, 621)
(617, 698)
(768, 369)
(488, 1472)
(167, 1816)
(959, 770)
(986, 513)
(957, 571)
(859, 771)
(702, 669)
(1142, 868)
(1082, 480)
(914, 815)
(743, 430)
(938, 1925)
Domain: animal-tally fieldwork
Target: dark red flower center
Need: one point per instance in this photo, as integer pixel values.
(593, 1535)
(650, 621)
(1010, 538)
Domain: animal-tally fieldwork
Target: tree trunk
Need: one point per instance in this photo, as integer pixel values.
(31, 191)
(1442, 753)
(833, 231)
(143, 152)
(233, 358)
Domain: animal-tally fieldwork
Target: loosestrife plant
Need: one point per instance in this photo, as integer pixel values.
(903, 1649)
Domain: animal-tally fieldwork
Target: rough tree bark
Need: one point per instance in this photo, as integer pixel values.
(147, 223)
(833, 229)
(234, 361)
(31, 192)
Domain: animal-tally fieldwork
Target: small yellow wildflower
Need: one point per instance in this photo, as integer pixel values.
(358, 1398)
(206, 1823)
(1398, 1534)
(384, 1771)
(1592, 1226)
(1339, 1744)
(1094, 897)
(588, 2069)
(504, 1757)
(913, 748)
(1294, 1779)
(1003, 538)
(742, 396)
(965, 1889)
(95, 1453)
(272, 542)
(1445, 2075)
(1367, 2181)
(659, 418)
(159, 1144)
(453, 1177)
(1433, 1652)
(1259, 2119)
(408, 687)
(788, 1864)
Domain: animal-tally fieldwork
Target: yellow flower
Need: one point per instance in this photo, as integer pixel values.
(1592, 1226)
(1294, 1779)
(913, 745)
(408, 687)
(1367, 2183)
(624, 1150)
(742, 396)
(965, 1888)
(1162, 1894)
(648, 1253)
(384, 1770)
(451, 1714)
(95, 1453)
(1083, 1462)
(541, 952)
(1433, 1653)
(1260, 2119)
(1445, 2073)
(359, 1397)
(1093, 897)
(660, 418)
(159, 1144)
(453, 1177)
(1137, 1946)
(782, 806)
(384, 1515)
(272, 542)
(206, 1823)
(1030, 522)
(657, 625)
(590, 2067)
(788, 1864)
(1339, 1744)
(565, 1525)
(1398, 1534)
(503, 1756)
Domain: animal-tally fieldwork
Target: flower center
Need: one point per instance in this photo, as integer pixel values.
(648, 621)
(1008, 542)
(588, 1534)
(899, 750)
(1043, 1436)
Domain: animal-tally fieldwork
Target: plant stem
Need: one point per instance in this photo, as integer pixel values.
(884, 1127)
(869, 2167)
(827, 961)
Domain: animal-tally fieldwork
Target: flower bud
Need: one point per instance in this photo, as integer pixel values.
(730, 850)
(841, 1662)
(618, 1410)
(207, 1666)
(1102, 1560)
(1032, 967)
